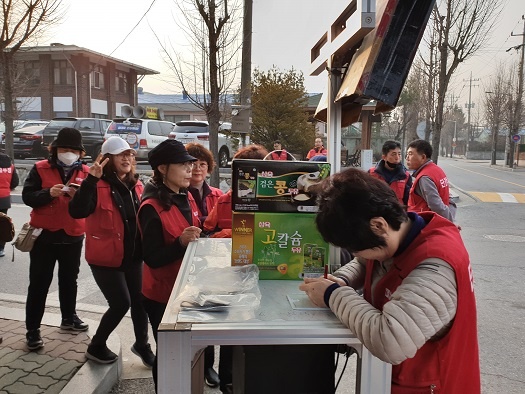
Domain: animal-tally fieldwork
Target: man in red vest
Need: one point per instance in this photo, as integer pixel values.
(418, 310)
(318, 149)
(392, 171)
(430, 190)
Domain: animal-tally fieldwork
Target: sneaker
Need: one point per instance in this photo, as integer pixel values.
(101, 354)
(211, 378)
(2, 253)
(74, 324)
(145, 354)
(34, 340)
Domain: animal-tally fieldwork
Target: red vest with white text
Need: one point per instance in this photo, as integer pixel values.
(398, 185)
(55, 215)
(105, 229)
(417, 203)
(157, 283)
(5, 180)
(279, 156)
(450, 364)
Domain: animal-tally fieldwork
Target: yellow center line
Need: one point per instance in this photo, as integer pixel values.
(488, 176)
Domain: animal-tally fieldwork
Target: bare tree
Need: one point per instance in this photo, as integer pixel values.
(23, 22)
(463, 27)
(207, 71)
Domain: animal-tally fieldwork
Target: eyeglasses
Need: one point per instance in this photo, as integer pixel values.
(126, 154)
(188, 166)
(200, 165)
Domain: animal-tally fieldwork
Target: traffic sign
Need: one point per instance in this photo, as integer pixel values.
(516, 137)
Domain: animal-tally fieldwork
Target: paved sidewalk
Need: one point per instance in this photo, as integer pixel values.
(59, 367)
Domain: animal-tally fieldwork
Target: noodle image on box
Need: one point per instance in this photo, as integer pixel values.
(276, 186)
(279, 244)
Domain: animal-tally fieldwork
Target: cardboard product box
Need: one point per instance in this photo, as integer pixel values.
(276, 186)
(282, 245)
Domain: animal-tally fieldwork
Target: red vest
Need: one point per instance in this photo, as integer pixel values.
(157, 283)
(221, 216)
(317, 152)
(279, 156)
(55, 215)
(417, 203)
(212, 198)
(398, 185)
(5, 180)
(105, 229)
(450, 364)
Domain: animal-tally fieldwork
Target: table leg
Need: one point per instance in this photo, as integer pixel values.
(174, 362)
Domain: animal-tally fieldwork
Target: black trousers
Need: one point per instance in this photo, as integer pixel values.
(155, 311)
(2, 244)
(43, 257)
(122, 290)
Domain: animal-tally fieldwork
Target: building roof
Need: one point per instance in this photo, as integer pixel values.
(95, 57)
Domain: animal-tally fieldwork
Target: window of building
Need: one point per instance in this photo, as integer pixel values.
(121, 82)
(32, 72)
(63, 72)
(97, 77)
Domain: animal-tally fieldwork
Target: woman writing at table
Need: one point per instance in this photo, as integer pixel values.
(169, 221)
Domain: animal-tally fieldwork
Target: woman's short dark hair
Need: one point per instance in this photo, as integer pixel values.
(130, 179)
(200, 152)
(348, 201)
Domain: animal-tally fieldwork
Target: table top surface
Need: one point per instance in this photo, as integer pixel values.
(282, 304)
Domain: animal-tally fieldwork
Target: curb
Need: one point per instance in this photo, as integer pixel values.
(91, 377)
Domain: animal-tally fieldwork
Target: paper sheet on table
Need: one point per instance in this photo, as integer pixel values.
(301, 302)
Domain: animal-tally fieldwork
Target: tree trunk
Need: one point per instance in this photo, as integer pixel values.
(9, 104)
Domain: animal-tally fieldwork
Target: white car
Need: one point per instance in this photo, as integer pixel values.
(187, 131)
(18, 124)
(141, 134)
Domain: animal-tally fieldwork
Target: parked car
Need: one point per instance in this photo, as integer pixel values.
(27, 142)
(187, 131)
(92, 130)
(19, 123)
(141, 134)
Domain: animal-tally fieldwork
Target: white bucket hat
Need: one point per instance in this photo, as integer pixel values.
(115, 145)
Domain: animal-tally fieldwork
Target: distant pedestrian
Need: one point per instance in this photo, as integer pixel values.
(430, 190)
(279, 153)
(8, 182)
(109, 199)
(47, 190)
(317, 150)
(392, 171)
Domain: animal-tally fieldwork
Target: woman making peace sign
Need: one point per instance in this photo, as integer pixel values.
(109, 198)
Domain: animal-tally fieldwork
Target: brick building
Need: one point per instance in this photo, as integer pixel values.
(66, 80)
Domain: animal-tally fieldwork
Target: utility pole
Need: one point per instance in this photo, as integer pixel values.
(517, 107)
(469, 106)
(246, 65)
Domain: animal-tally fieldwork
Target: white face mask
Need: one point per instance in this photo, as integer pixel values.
(68, 158)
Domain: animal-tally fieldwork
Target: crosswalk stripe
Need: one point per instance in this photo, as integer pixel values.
(499, 197)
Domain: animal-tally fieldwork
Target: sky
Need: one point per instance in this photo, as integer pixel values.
(284, 31)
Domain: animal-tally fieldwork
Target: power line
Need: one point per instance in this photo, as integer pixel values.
(134, 27)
